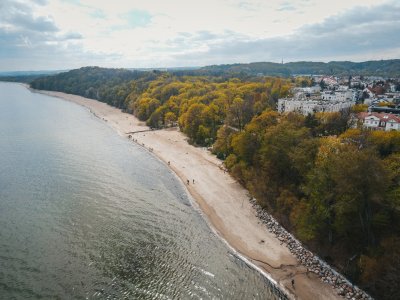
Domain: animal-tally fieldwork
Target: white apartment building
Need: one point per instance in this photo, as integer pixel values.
(306, 107)
(339, 95)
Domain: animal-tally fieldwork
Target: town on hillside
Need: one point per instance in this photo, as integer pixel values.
(380, 97)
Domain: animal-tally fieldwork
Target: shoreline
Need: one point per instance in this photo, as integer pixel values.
(223, 203)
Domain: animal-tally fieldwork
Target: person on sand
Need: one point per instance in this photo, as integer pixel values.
(193, 181)
(293, 283)
(169, 163)
(187, 181)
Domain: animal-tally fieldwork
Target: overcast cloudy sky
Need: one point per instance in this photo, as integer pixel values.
(65, 34)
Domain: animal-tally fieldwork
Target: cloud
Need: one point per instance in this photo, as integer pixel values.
(356, 19)
(70, 36)
(137, 18)
(40, 2)
(19, 16)
(248, 5)
(98, 14)
(354, 33)
(155, 33)
(28, 22)
(35, 40)
(286, 6)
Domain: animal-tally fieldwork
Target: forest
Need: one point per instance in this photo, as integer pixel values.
(385, 68)
(332, 184)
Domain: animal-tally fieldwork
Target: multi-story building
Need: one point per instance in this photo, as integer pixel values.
(310, 106)
(379, 121)
(327, 101)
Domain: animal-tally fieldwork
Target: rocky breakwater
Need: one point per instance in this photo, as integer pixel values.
(308, 259)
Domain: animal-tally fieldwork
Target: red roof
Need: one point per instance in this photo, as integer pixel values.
(380, 116)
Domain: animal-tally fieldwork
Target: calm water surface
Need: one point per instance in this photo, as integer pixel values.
(84, 213)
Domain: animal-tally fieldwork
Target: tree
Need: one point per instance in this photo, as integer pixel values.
(331, 123)
(276, 158)
(145, 107)
(380, 274)
(170, 118)
(386, 142)
(192, 120)
(346, 185)
(317, 221)
(236, 114)
(392, 167)
(223, 144)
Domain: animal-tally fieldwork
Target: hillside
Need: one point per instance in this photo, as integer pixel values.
(385, 68)
(87, 77)
(111, 86)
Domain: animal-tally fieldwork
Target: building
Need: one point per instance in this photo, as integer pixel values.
(380, 121)
(385, 109)
(307, 90)
(306, 103)
(330, 80)
(339, 95)
(311, 106)
(368, 91)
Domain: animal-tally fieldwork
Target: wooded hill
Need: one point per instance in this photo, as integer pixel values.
(107, 85)
(385, 68)
(25, 76)
(335, 187)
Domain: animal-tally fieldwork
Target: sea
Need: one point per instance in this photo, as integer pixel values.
(87, 214)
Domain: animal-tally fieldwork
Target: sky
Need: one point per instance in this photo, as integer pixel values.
(67, 34)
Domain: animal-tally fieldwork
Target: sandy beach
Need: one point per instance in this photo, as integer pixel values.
(223, 201)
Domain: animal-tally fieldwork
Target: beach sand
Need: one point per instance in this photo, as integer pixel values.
(223, 201)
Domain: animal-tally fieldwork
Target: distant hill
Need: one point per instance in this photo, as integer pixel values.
(113, 85)
(25, 76)
(97, 76)
(385, 68)
(30, 73)
(103, 84)
(20, 78)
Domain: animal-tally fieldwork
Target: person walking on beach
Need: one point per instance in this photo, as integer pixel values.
(187, 181)
(193, 181)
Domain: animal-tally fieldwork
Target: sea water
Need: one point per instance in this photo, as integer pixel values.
(87, 214)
